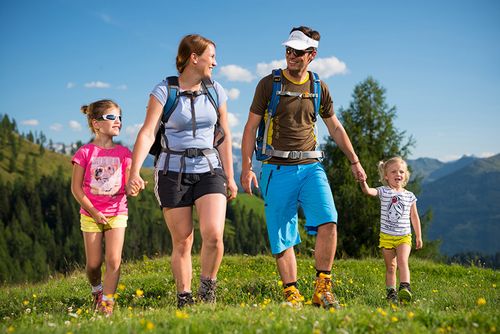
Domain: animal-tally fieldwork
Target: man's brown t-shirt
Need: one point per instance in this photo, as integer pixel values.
(292, 127)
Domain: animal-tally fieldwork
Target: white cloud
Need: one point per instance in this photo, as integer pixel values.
(122, 87)
(97, 84)
(74, 125)
(486, 154)
(232, 120)
(233, 93)
(56, 127)
(236, 139)
(264, 69)
(30, 122)
(70, 85)
(328, 67)
(236, 73)
(325, 67)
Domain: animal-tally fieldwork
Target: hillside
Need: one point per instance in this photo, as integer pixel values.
(466, 213)
(448, 299)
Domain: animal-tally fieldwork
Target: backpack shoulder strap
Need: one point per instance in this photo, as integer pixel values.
(172, 98)
(208, 87)
(275, 95)
(316, 90)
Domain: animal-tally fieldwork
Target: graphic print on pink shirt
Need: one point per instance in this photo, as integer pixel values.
(106, 176)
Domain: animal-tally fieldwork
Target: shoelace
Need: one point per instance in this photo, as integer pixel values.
(324, 287)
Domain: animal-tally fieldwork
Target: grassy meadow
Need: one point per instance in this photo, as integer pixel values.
(448, 299)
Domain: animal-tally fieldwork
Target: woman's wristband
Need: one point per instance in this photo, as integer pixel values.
(355, 163)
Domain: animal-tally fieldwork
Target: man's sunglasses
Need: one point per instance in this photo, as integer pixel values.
(110, 117)
(298, 53)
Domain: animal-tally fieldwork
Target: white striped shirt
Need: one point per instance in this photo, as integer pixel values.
(395, 210)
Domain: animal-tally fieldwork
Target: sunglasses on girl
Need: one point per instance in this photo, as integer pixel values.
(297, 53)
(110, 117)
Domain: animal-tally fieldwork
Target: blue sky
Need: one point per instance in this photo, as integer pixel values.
(439, 61)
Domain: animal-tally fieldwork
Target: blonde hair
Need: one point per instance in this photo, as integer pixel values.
(96, 109)
(190, 44)
(383, 166)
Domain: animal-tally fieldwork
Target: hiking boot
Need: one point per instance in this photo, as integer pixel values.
(96, 299)
(405, 294)
(392, 295)
(323, 295)
(106, 307)
(184, 299)
(293, 296)
(206, 292)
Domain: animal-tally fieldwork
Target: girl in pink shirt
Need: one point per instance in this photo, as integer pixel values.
(100, 173)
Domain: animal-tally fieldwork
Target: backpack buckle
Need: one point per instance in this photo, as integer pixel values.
(192, 152)
(294, 155)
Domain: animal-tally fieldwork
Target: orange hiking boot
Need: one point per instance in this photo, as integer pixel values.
(293, 296)
(323, 295)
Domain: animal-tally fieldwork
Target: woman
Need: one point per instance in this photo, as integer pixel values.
(189, 171)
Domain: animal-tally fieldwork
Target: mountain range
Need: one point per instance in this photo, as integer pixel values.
(464, 196)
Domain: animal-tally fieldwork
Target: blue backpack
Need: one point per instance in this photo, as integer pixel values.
(263, 150)
(161, 143)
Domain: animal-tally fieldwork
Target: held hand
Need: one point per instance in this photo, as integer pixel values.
(232, 189)
(358, 172)
(135, 185)
(419, 243)
(247, 178)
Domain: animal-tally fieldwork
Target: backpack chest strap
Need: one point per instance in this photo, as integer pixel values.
(294, 155)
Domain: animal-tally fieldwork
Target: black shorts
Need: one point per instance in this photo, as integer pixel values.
(192, 187)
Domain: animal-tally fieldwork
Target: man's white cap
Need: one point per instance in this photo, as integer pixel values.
(300, 41)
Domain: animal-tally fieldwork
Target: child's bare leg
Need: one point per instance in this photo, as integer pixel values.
(93, 254)
(114, 246)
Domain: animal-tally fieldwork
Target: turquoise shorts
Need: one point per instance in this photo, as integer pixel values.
(285, 188)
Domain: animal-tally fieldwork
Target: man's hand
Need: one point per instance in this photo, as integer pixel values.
(247, 178)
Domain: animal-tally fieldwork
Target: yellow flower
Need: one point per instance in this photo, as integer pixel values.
(11, 329)
(139, 293)
(332, 310)
(242, 305)
(280, 283)
(79, 311)
(394, 307)
(435, 290)
(493, 329)
(394, 319)
(481, 301)
(381, 312)
(121, 287)
(150, 325)
(181, 314)
(411, 315)
(25, 302)
(34, 295)
(494, 285)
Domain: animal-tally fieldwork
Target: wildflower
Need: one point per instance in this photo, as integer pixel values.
(25, 302)
(435, 290)
(150, 325)
(121, 287)
(494, 285)
(381, 312)
(332, 310)
(242, 305)
(27, 311)
(11, 329)
(34, 296)
(394, 319)
(394, 307)
(79, 311)
(139, 293)
(181, 314)
(280, 283)
(411, 315)
(481, 301)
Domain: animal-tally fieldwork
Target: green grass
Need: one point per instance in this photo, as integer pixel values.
(448, 299)
(250, 203)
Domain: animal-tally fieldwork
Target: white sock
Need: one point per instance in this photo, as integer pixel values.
(106, 298)
(97, 288)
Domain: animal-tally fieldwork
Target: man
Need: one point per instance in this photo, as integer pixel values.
(293, 175)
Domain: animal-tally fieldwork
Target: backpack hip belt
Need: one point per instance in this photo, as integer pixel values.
(192, 152)
(294, 155)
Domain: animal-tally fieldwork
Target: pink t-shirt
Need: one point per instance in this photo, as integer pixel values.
(104, 178)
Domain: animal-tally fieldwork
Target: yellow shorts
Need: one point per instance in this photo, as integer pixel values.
(88, 224)
(393, 241)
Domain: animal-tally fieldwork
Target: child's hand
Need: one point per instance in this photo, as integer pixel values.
(100, 218)
(135, 185)
(361, 177)
(419, 243)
